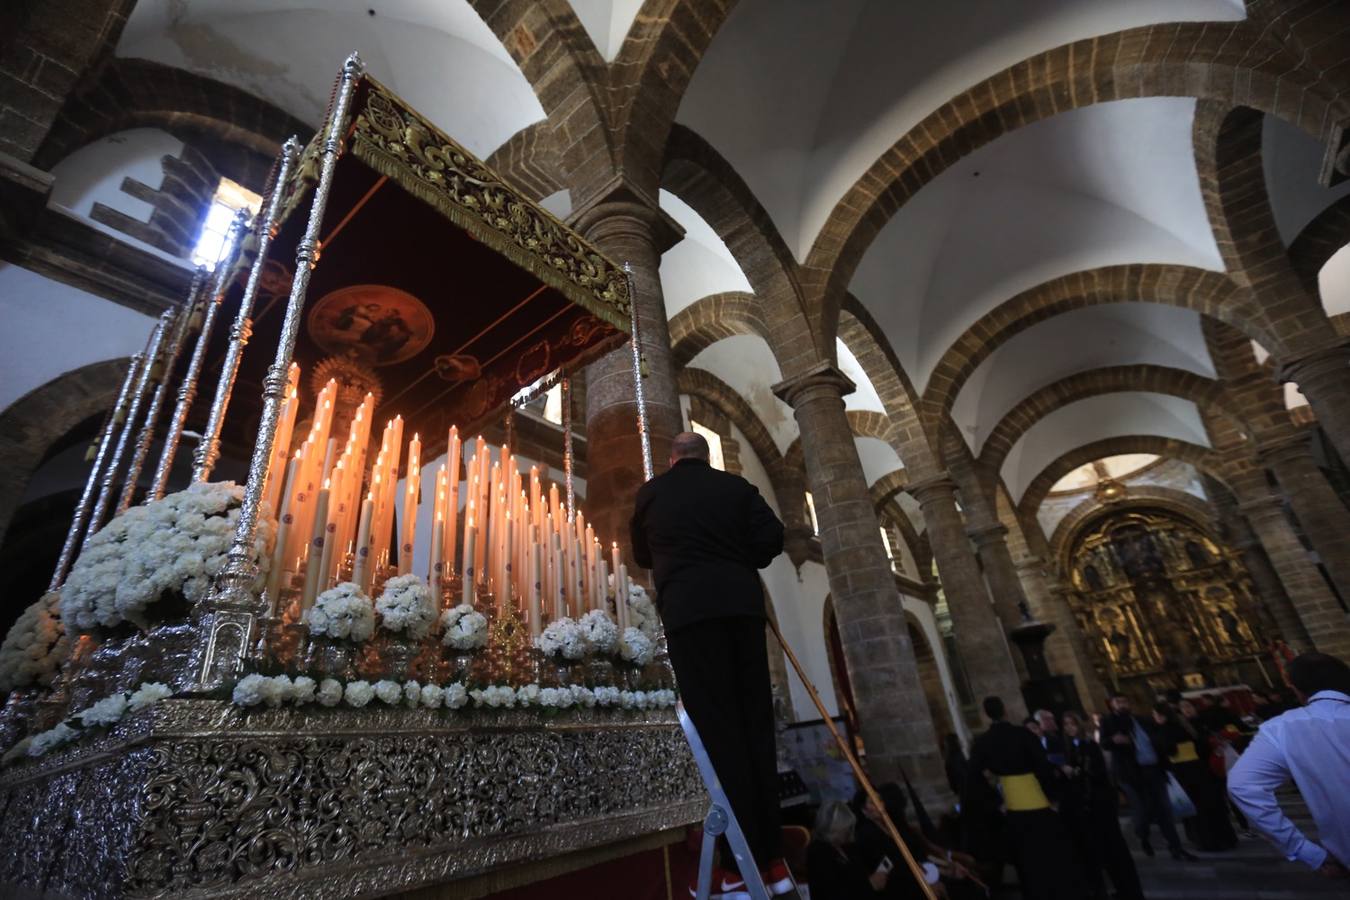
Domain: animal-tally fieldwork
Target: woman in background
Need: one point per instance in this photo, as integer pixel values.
(1092, 814)
(1209, 829)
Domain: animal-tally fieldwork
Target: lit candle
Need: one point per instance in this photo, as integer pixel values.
(316, 550)
(504, 596)
(279, 550)
(331, 545)
(559, 580)
(621, 598)
(361, 564)
(437, 539)
(614, 555)
(536, 590)
(467, 567)
(414, 483)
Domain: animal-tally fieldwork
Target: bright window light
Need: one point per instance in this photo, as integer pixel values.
(230, 197)
(886, 542)
(714, 440)
(811, 510)
(553, 404)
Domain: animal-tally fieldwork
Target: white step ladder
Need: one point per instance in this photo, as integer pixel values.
(722, 820)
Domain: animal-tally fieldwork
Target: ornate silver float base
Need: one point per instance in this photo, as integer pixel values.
(196, 798)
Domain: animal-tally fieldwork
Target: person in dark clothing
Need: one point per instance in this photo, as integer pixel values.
(873, 843)
(1139, 753)
(1090, 810)
(1037, 843)
(954, 761)
(1209, 829)
(703, 533)
(1052, 742)
(833, 868)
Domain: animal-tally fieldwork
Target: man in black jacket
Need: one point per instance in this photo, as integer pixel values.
(704, 533)
(1139, 752)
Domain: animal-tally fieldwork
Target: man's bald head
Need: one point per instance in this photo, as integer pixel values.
(688, 445)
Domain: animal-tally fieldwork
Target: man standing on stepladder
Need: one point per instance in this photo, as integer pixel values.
(704, 533)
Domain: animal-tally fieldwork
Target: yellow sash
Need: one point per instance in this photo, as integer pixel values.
(1022, 793)
(1185, 752)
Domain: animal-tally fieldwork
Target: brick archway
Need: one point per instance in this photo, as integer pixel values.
(33, 423)
(710, 319)
(1203, 458)
(1204, 392)
(1233, 63)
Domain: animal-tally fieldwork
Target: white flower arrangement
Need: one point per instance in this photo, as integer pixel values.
(302, 690)
(51, 738)
(412, 693)
(358, 693)
(599, 631)
(105, 713)
(177, 543)
(405, 606)
(389, 692)
(528, 695)
(494, 696)
(464, 628)
(35, 646)
(432, 696)
(342, 612)
(642, 611)
(330, 692)
(254, 689)
(636, 647)
(456, 696)
(562, 638)
(557, 698)
(606, 696)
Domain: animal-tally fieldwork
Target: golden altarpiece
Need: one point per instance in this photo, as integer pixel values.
(1164, 605)
(403, 676)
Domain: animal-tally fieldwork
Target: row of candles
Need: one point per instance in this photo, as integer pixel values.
(496, 528)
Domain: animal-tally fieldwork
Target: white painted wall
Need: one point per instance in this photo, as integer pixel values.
(866, 396)
(878, 458)
(698, 265)
(1291, 159)
(51, 328)
(927, 622)
(607, 22)
(746, 364)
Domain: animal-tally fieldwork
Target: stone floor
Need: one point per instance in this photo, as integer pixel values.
(1254, 871)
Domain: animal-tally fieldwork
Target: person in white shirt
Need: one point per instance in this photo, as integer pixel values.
(1311, 745)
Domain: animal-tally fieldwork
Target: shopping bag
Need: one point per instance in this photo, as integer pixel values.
(1182, 807)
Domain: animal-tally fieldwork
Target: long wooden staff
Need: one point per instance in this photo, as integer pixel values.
(894, 832)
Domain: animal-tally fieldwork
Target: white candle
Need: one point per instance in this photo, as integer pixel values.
(361, 564)
(316, 550)
(536, 590)
(437, 566)
(414, 483)
(504, 596)
(279, 550)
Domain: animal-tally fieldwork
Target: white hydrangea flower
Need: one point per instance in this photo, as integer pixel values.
(456, 696)
(387, 691)
(557, 698)
(562, 638)
(302, 690)
(405, 606)
(177, 543)
(358, 693)
(464, 628)
(275, 690)
(35, 646)
(330, 692)
(584, 696)
(636, 647)
(148, 694)
(412, 693)
(342, 612)
(606, 696)
(642, 611)
(432, 696)
(599, 631)
(494, 696)
(107, 711)
(55, 737)
(248, 691)
(528, 695)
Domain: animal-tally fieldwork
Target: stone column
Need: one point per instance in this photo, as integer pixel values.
(1324, 378)
(1313, 610)
(1005, 588)
(1066, 649)
(628, 230)
(1324, 517)
(979, 634)
(892, 710)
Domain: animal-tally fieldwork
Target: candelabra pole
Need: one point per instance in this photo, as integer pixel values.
(566, 397)
(182, 323)
(639, 393)
(133, 416)
(228, 618)
(187, 390)
(208, 451)
(115, 418)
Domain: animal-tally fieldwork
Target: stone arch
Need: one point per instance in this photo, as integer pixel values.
(888, 486)
(699, 176)
(1203, 458)
(1233, 63)
(32, 424)
(864, 423)
(1319, 240)
(1211, 294)
(1228, 160)
(528, 161)
(710, 319)
(1204, 392)
(1081, 516)
(868, 344)
(239, 132)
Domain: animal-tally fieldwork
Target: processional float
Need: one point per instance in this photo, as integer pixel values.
(240, 702)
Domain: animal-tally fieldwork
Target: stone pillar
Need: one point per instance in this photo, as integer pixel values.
(892, 710)
(1313, 610)
(979, 634)
(1324, 378)
(1324, 517)
(628, 230)
(1005, 588)
(1066, 649)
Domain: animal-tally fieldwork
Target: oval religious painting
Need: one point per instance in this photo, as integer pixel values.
(373, 323)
